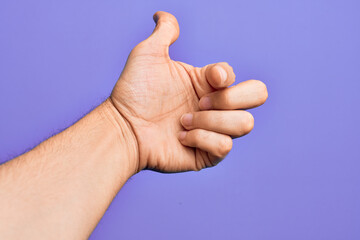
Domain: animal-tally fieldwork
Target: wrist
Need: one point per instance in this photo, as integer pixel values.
(126, 139)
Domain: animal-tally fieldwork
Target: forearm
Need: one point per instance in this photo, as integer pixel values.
(62, 187)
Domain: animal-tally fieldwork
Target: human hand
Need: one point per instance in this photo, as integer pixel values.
(154, 92)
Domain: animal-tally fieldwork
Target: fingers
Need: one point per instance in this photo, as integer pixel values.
(234, 123)
(210, 77)
(216, 144)
(248, 94)
(219, 75)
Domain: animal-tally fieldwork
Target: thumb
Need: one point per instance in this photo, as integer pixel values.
(166, 30)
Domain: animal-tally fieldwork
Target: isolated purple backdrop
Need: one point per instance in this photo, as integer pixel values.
(296, 176)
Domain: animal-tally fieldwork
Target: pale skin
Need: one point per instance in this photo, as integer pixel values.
(162, 115)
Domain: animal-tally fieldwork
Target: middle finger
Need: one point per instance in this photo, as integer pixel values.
(233, 123)
(248, 94)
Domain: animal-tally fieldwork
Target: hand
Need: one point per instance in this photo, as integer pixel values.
(183, 117)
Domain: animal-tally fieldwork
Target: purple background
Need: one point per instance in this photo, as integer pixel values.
(296, 176)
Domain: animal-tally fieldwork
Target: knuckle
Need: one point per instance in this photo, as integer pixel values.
(198, 166)
(211, 73)
(167, 21)
(227, 66)
(224, 146)
(200, 162)
(214, 75)
(214, 162)
(225, 100)
(199, 135)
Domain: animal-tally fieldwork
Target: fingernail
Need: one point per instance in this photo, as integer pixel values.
(223, 74)
(182, 135)
(186, 119)
(205, 103)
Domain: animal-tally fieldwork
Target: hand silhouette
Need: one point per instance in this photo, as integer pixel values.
(183, 117)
